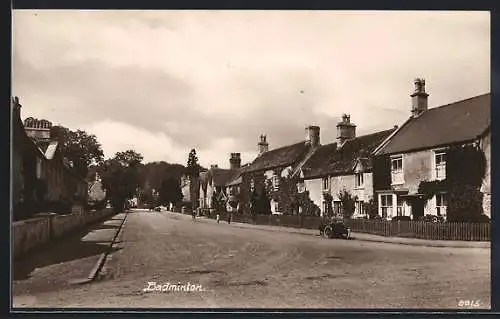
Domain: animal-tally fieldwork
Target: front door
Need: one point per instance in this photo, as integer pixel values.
(417, 208)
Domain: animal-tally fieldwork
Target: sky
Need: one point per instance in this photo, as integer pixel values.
(165, 82)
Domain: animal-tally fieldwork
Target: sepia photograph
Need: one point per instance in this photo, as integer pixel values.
(250, 159)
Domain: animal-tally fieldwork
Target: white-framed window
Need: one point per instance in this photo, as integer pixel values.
(397, 176)
(337, 207)
(359, 180)
(326, 184)
(441, 204)
(360, 207)
(386, 205)
(440, 165)
(325, 208)
(276, 182)
(400, 208)
(276, 207)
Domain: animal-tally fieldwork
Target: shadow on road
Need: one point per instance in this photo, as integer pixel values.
(102, 226)
(65, 249)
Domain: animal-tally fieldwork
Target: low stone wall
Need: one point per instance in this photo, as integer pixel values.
(30, 233)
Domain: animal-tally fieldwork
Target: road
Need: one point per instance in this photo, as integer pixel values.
(246, 267)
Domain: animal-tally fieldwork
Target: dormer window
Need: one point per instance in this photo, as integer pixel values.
(397, 176)
(326, 184)
(359, 181)
(439, 165)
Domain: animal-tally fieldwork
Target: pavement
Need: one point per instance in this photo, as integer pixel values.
(363, 236)
(243, 266)
(72, 260)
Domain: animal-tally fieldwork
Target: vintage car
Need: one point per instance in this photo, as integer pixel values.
(334, 229)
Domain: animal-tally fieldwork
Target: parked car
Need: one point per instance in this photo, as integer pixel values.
(335, 229)
(157, 209)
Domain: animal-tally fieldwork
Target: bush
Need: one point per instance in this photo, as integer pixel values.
(401, 218)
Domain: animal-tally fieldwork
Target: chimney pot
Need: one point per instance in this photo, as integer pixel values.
(312, 135)
(345, 130)
(263, 146)
(419, 98)
(235, 161)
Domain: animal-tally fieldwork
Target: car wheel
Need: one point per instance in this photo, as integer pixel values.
(328, 232)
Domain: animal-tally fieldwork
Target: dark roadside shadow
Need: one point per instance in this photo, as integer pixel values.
(64, 249)
(103, 226)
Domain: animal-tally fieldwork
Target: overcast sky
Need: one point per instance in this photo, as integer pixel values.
(163, 82)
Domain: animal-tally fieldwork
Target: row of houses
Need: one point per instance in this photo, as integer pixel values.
(416, 152)
(39, 171)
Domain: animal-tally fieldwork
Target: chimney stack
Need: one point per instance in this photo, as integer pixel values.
(235, 161)
(419, 98)
(263, 145)
(312, 135)
(38, 129)
(345, 130)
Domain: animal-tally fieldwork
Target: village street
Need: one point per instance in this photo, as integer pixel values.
(240, 266)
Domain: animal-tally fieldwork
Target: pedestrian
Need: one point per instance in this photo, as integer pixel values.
(193, 213)
(218, 218)
(229, 218)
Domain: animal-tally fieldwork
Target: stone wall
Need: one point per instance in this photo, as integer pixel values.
(28, 234)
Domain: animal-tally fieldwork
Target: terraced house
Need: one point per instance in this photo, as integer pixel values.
(418, 151)
(264, 174)
(342, 166)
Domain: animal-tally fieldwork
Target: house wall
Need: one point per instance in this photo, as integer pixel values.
(17, 175)
(314, 186)
(186, 194)
(417, 167)
(486, 187)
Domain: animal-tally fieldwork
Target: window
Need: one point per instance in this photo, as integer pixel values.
(38, 167)
(276, 207)
(397, 170)
(325, 183)
(400, 208)
(440, 165)
(360, 208)
(386, 205)
(301, 187)
(276, 182)
(252, 185)
(337, 208)
(359, 180)
(441, 204)
(325, 208)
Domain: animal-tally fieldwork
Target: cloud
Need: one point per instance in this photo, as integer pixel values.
(216, 80)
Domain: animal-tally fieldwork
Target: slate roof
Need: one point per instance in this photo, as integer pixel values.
(283, 156)
(220, 176)
(460, 121)
(328, 160)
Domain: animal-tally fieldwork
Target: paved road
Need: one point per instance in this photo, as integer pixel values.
(249, 267)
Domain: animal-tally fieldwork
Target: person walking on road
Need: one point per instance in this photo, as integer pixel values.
(218, 218)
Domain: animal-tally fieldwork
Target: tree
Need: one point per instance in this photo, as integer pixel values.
(193, 172)
(80, 148)
(170, 191)
(348, 203)
(120, 177)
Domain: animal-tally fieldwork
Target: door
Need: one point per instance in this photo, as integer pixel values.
(417, 208)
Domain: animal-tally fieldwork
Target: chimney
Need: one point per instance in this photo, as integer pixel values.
(235, 161)
(419, 98)
(37, 129)
(16, 108)
(312, 135)
(263, 145)
(345, 130)
(214, 166)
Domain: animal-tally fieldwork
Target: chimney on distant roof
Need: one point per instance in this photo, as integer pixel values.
(263, 145)
(312, 135)
(16, 107)
(419, 98)
(235, 161)
(345, 130)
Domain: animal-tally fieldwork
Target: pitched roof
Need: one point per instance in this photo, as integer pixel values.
(283, 156)
(460, 121)
(328, 160)
(220, 176)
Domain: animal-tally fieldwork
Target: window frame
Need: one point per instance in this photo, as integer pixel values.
(388, 208)
(435, 167)
(399, 172)
(325, 183)
(440, 208)
(357, 176)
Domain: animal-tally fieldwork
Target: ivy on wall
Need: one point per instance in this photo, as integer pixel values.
(465, 171)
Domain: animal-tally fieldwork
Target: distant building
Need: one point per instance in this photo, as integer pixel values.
(96, 190)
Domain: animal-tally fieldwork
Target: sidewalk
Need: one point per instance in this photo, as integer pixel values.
(68, 261)
(362, 236)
